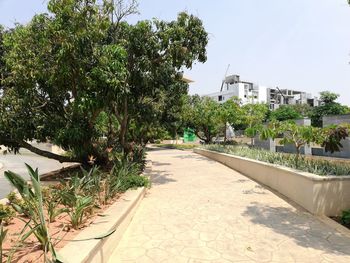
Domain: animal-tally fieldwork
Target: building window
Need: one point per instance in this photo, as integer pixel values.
(220, 98)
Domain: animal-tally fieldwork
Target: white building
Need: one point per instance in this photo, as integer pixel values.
(248, 92)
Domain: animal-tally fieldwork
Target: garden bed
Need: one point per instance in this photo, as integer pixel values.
(60, 231)
(321, 195)
(309, 164)
(83, 209)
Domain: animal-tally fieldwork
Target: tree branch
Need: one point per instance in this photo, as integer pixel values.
(50, 155)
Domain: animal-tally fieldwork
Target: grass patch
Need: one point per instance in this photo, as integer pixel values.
(315, 166)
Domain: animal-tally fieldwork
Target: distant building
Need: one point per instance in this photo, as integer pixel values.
(249, 92)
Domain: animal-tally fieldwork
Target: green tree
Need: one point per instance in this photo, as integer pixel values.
(328, 97)
(173, 118)
(81, 63)
(2, 51)
(328, 106)
(254, 116)
(299, 136)
(284, 113)
(157, 52)
(294, 134)
(51, 92)
(230, 113)
(202, 115)
(303, 109)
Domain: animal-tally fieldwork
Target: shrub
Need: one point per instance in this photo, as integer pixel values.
(18, 204)
(77, 212)
(7, 213)
(132, 182)
(78, 196)
(345, 218)
(52, 202)
(33, 200)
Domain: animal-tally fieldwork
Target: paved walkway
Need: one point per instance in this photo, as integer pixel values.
(201, 211)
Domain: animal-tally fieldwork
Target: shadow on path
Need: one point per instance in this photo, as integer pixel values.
(155, 163)
(305, 230)
(155, 149)
(195, 157)
(160, 177)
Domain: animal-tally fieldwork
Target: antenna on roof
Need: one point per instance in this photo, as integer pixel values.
(223, 81)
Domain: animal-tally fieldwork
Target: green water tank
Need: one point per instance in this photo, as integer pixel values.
(189, 135)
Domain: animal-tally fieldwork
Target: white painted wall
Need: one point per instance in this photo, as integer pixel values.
(238, 90)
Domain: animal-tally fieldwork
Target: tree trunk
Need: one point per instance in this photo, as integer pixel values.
(50, 155)
(297, 156)
(225, 135)
(124, 121)
(208, 137)
(252, 141)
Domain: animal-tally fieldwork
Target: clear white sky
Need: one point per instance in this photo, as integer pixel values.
(298, 44)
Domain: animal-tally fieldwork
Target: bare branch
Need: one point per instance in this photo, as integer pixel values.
(123, 8)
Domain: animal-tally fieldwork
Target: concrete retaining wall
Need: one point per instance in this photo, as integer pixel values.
(268, 144)
(321, 195)
(289, 148)
(335, 119)
(344, 153)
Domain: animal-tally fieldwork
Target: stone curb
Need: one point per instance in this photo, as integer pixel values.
(117, 217)
(335, 225)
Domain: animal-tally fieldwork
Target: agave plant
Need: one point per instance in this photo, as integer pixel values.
(52, 201)
(33, 199)
(76, 206)
(316, 166)
(78, 211)
(111, 185)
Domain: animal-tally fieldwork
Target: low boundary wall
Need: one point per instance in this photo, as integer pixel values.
(320, 195)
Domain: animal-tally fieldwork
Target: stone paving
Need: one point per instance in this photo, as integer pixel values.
(201, 211)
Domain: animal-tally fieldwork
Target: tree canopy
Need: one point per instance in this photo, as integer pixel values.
(328, 97)
(81, 60)
(285, 112)
(254, 116)
(328, 106)
(202, 115)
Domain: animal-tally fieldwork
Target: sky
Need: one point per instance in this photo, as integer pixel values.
(298, 44)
